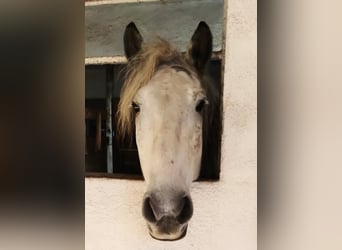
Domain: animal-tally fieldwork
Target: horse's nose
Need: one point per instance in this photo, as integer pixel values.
(156, 207)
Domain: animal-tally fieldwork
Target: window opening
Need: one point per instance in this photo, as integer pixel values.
(105, 61)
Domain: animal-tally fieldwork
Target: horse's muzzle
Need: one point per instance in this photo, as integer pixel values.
(167, 215)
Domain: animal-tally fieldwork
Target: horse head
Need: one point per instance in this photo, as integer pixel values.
(163, 99)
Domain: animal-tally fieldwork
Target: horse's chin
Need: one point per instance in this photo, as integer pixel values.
(174, 234)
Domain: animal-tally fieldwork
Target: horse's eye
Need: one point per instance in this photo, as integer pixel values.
(200, 105)
(135, 107)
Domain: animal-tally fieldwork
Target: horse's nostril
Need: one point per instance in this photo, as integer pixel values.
(148, 211)
(187, 210)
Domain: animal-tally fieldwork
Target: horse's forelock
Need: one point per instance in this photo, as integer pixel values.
(139, 71)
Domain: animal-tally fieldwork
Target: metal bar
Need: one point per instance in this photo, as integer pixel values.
(98, 132)
(109, 129)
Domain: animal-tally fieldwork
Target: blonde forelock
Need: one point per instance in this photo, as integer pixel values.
(139, 72)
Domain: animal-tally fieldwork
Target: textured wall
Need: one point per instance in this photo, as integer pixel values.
(225, 211)
(105, 24)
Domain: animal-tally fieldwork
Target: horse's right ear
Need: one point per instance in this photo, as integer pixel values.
(200, 48)
(132, 40)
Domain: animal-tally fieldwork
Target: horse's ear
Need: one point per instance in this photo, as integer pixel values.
(200, 48)
(132, 40)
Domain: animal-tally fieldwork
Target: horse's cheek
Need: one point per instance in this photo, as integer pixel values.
(139, 137)
(197, 143)
(197, 139)
(137, 131)
(196, 154)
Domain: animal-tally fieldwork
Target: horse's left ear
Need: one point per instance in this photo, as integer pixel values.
(132, 40)
(201, 46)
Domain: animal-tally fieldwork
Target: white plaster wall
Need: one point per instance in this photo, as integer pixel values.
(225, 212)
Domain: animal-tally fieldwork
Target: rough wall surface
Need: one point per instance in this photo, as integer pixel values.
(225, 212)
(105, 24)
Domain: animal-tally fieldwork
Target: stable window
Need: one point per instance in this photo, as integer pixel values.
(105, 154)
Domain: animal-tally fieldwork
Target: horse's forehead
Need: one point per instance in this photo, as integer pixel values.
(171, 82)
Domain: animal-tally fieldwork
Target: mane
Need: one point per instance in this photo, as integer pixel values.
(140, 69)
